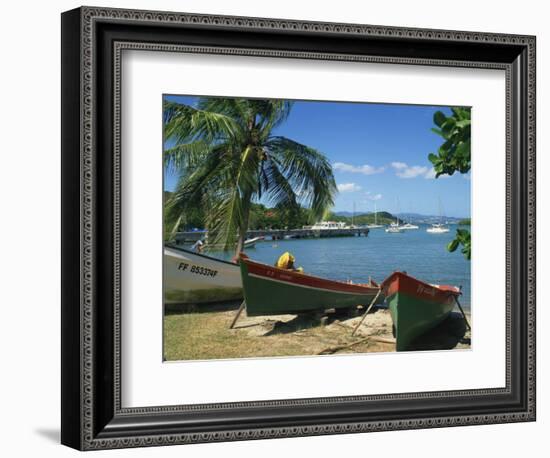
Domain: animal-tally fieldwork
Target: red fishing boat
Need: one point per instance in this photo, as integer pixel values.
(269, 290)
(416, 306)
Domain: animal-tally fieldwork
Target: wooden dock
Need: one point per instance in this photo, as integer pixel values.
(279, 234)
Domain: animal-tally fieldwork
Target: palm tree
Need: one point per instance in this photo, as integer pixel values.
(227, 157)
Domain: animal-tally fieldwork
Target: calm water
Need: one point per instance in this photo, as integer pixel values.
(417, 252)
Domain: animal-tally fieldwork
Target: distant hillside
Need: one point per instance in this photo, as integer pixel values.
(364, 218)
(409, 217)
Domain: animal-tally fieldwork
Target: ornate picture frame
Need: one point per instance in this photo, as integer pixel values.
(92, 413)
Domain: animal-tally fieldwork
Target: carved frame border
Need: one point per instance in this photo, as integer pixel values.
(89, 439)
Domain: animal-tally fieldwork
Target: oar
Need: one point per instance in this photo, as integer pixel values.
(238, 314)
(462, 311)
(368, 310)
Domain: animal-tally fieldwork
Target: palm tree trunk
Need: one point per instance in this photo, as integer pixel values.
(242, 230)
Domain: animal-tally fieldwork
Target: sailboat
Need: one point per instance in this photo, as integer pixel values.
(438, 228)
(375, 225)
(395, 228)
(408, 226)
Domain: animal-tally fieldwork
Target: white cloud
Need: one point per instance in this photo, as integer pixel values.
(430, 174)
(365, 169)
(348, 187)
(403, 170)
(373, 197)
(399, 165)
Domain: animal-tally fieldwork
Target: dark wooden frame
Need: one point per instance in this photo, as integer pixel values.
(92, 40)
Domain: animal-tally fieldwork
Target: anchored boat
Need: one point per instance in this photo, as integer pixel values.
(248, 243)
(438, 228)
(415, 306)
(193, 278)
(394, 228)
(270, 291)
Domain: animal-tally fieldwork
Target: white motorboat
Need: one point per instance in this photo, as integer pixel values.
(437, 228)
(394, 228)
(329, 225)
(251, 243)
(409, 226)
(193, 278)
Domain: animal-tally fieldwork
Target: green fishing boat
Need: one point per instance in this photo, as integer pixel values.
(269, 290)
(415, 306)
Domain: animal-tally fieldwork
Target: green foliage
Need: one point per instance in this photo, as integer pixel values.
(465, 222)
(454, 156)
(364, 219)
(462, 239)
(262, 217)
(227, 158)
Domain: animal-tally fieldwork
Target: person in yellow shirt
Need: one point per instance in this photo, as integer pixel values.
(286, 261)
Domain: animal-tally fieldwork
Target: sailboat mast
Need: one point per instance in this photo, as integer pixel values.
(375, 215)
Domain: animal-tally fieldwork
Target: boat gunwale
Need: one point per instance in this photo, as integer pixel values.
(441, 291)
(211, 258)
(328, 285)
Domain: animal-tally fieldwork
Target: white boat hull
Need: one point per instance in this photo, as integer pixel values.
(192, 278)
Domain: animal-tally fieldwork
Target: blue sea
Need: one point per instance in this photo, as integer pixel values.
(417, 252)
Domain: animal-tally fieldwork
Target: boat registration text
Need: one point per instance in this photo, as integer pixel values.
(199, 270)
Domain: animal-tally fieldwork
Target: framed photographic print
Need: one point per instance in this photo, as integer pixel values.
(260, 214)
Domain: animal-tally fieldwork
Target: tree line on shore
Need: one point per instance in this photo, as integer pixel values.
(263, 217)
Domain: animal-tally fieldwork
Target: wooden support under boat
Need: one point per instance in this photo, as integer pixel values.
(367, 311)
(238, 314)
(463, 314)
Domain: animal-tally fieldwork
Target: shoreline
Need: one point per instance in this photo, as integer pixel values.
(205, 335)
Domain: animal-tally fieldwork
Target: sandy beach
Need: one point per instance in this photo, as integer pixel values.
(205, 334)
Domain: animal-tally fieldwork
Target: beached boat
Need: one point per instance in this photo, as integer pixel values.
(193, 278)
(269, 290)
(415, 306)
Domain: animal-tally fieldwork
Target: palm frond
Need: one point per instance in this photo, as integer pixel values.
(307, 170)
(186, 156)
(230, 211)
(186, 124)
(277, 191)
(237, 109)
(193, 189)
(271, 114)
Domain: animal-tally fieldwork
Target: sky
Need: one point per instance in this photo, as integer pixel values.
(379, 154)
